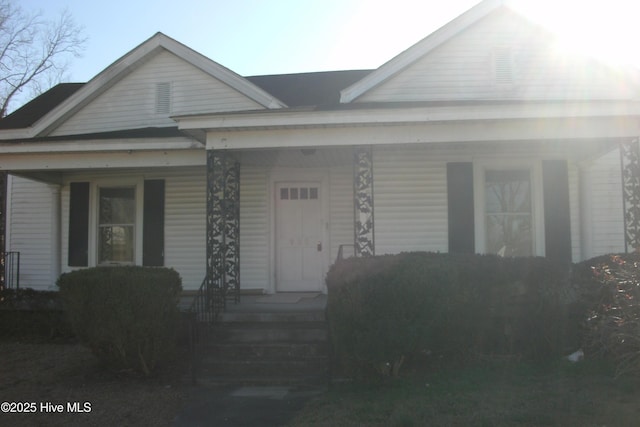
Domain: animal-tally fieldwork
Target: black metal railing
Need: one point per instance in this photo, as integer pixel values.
(207, 305)
(342, 254)
(11, 264)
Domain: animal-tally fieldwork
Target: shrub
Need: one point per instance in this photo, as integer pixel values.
(128, 316)
(385, 309)
(613, 325)
(29, 314)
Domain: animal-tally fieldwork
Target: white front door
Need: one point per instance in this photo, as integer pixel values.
(299, 231)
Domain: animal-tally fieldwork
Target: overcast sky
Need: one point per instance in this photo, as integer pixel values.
(253, 37)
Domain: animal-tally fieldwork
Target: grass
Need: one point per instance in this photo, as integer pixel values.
(487, 395)
(42, 372)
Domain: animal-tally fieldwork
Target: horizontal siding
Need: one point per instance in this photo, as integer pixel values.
(130, 103)
(31, 231)
(410, 201)
(185, 225)
(463, 69)
(254, 228)
(605, 204)
(185, 219)
(341, 210)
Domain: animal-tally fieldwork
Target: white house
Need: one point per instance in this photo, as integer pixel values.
(482, 137)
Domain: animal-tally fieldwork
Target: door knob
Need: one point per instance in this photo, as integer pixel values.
(319, 246)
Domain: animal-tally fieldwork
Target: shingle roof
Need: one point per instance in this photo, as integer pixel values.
(295, 90)
(29, 113)
(308, 89)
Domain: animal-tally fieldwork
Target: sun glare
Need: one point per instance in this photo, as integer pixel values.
(607, 31)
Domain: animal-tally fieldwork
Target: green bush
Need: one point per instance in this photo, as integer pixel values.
(128, 316)
(29, 314)
(383, 310)
(613, 325)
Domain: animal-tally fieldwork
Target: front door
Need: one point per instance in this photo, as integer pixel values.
(299, 245)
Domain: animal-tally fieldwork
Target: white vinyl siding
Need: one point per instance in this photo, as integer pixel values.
(30, 231)
(410, 200)
(131, 102)
(410, 194)
(464, 68)
(341, 210)
(254, 228)
(603, 187)
(185, 218)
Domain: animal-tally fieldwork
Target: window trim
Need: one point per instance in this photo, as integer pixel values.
(94, 211)
(534, 167)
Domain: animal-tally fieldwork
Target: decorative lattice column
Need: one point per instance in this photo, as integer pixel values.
(630, 165)
(223, 224)
(363, 202)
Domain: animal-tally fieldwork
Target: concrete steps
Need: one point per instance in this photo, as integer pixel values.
(266, 348)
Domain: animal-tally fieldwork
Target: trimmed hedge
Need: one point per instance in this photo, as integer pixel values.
(128, 316)
(385, 309)
(29, 314)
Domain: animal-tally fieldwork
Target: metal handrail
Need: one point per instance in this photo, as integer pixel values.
(340, 256)
(204, 310)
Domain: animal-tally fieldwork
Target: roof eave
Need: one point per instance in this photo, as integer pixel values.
(399, 115)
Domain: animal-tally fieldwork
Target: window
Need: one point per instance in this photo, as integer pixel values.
(116, 225)
(508, 208)
(301, 193)
(508, 214)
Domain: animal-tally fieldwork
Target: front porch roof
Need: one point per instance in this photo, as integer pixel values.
(405, 113)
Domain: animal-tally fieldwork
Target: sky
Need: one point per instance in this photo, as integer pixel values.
(256, 37)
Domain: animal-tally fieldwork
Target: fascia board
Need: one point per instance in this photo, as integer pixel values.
(412, 115)
(100, 145)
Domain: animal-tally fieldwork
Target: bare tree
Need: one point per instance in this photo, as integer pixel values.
(34, 52)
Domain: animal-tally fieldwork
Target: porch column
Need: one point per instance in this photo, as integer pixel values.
(3, 225)
(223, 224)
(364, 239)
(630, 165)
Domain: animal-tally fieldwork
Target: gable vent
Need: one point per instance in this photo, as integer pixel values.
(503, 66)
(163, 98)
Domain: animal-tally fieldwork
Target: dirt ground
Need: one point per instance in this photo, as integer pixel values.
(63, 385)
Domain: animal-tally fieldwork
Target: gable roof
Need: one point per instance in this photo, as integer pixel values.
(420, 49)
(124, 66)
(296, 90)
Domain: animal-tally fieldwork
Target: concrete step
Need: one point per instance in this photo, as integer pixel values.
(299, 381)
(266, 350)
(303, 332)
(280, 317)
(270, 368)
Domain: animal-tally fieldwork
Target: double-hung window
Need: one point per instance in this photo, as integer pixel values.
(116, 225)
(508, 214)
(508, 209)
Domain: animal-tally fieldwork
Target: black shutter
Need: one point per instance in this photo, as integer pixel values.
(460, 200)
(153, 224)
(79, 224)
(557, 221)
